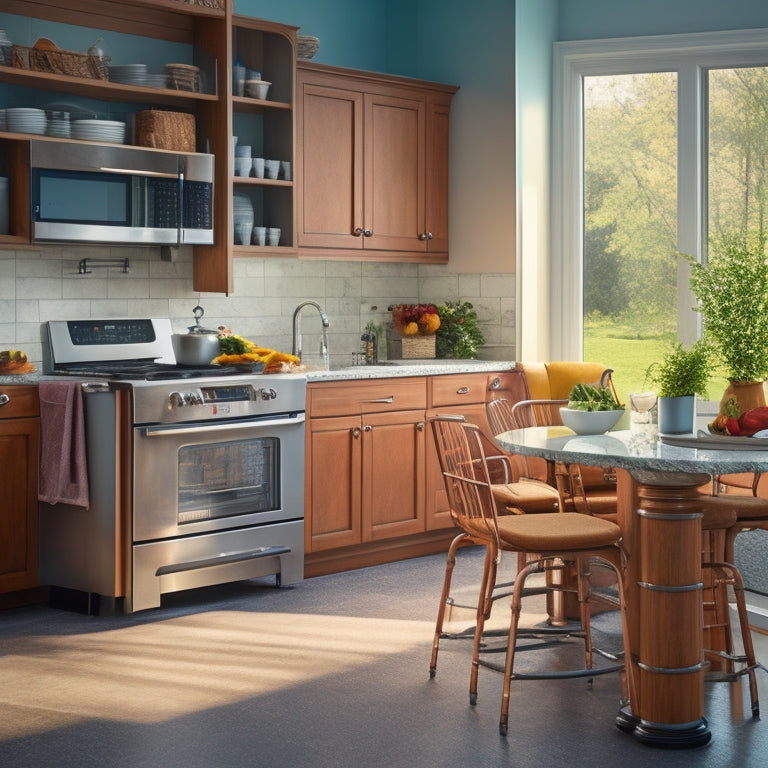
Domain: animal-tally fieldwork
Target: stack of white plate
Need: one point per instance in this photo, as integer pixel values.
(58, 125)
(26, 120)
(128, 74)
(99, 130)
(242, 209)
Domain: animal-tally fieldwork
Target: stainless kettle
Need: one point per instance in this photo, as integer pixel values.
(197, 347)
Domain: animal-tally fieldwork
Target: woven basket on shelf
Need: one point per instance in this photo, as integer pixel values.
(182, 77)
(409, 347)
(307, 46)
(174, 131)
(217, 4)
(60, 62)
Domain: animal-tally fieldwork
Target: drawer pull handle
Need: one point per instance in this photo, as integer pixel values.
(390, 399)
(4, 399)
(462, 391)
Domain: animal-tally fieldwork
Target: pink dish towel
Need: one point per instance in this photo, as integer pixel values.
(63, 470)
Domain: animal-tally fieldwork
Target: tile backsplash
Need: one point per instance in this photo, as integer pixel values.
(45, 284)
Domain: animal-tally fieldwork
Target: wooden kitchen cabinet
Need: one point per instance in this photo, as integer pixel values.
(365, 463)
(19, 457)
(214, 37)
(372, 166)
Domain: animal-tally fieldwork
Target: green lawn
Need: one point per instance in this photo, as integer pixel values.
(629, 353)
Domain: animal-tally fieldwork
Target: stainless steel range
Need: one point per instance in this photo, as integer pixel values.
(196, 475)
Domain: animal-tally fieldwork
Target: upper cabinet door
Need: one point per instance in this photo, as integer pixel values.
(394, 145)
(372, 155)
(330, 160)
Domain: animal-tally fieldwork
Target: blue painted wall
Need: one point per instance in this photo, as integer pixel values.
(592, 19)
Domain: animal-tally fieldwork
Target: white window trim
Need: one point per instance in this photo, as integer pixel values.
(688, 55)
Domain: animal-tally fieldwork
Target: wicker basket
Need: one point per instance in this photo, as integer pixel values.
(307, 46)
(60, 62)
(174, 131)
(216, 4)
(409, 347)
(182, 77)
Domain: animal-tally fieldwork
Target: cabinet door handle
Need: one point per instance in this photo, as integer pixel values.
(367, 428)
(368, 232)
(357, 231)
(425, 235)
(462, 391)
(420, 426)
(356, 433)
(390, 399)
(4, 399)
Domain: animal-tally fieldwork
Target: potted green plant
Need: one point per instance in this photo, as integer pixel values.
(679, 376)
(459, 336)
(732, 294)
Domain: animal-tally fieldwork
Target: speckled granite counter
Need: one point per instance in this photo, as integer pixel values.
(648, 459)
(25, 378)
(401, 368)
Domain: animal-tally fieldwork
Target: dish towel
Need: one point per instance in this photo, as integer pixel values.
(63, 469)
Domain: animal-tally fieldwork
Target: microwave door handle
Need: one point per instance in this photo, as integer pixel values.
(180, 221)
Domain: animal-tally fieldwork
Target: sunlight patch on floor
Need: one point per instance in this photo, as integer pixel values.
(163, 670)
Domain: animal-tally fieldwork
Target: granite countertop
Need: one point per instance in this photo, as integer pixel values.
(400, 368)
(385, 370)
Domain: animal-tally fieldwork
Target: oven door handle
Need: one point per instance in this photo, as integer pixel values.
(221, 426)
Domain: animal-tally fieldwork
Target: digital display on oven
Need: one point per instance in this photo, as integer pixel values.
(230, 394)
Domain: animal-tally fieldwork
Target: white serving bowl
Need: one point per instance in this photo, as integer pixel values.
(257, 89)
(589, 422)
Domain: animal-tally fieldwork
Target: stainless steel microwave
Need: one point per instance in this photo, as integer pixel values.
(96, 193)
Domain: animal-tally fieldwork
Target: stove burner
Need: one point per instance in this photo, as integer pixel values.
(152, 371)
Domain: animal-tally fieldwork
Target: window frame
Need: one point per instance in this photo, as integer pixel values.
(690, 56)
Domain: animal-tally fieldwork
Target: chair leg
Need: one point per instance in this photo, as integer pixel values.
(450, 563)
(749, 659)
(516, 607)
(484, 606)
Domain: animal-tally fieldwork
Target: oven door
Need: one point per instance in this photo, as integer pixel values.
(199, 478)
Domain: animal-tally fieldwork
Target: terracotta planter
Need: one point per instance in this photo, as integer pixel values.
(748, 394)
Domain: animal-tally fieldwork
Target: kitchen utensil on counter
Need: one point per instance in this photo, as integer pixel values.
(197, 347)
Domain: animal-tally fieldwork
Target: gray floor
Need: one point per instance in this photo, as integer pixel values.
(332, 672)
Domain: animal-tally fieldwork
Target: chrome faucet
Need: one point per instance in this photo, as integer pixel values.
(296, 349)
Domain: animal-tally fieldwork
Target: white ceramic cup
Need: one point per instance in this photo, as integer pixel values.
(273, 236)
(285, 169)
(243, 166)
(238, 80)
(258, 167)
(243, 234)
(243, 150)
(259, 235)
(273, 168)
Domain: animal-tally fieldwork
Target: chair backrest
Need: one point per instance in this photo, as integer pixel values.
(465, 473)
(537, 413)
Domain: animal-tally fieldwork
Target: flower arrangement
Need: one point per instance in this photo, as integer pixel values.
(459, 336)
(415, 319)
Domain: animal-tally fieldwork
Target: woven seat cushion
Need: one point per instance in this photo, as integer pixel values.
(564, 531)
(528, 495)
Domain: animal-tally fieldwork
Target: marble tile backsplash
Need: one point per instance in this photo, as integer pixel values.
(45, 284)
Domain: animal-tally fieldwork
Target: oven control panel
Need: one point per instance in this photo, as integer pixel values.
(219, 395)
(203, 399)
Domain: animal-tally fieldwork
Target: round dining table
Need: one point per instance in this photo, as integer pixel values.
(659, 478)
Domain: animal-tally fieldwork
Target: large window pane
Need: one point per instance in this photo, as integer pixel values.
(630, 222)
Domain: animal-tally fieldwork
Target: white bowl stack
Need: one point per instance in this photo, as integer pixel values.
(112, 131)
(242, 209)
(26, 120)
